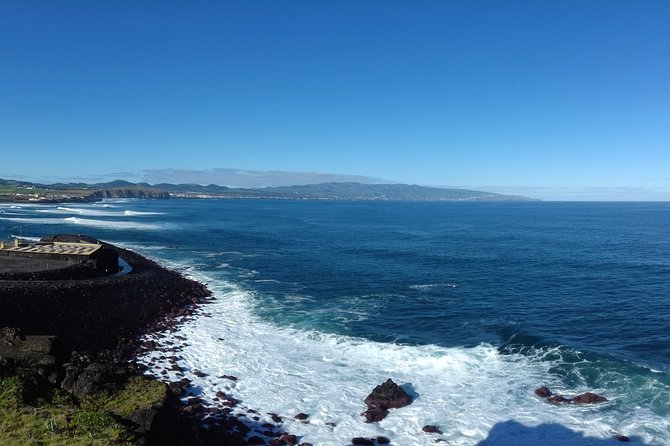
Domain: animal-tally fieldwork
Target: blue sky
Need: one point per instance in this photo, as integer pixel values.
(552, 99)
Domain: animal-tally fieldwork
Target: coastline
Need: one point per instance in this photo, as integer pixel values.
(70, 348)
(67, 349)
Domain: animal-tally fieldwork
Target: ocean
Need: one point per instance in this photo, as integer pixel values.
(469, 306)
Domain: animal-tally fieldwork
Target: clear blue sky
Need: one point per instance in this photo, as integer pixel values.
(552, 99)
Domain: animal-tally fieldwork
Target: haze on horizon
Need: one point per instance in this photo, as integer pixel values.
(552, 100)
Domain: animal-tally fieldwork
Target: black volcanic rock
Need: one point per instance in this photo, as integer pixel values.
(93, 378)
(584, 398)
(383, 397)
(588, 398)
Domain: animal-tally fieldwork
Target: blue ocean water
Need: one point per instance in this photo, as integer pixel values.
(471, 305)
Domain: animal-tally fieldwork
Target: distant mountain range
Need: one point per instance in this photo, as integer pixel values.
(11, 190)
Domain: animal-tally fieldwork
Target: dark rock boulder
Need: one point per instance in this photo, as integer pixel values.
(360, 441)
(431, 429)
(383, 397)
(543, 392)
(81, 379)
(35, 352)
(588, 398)
(289, 439)
(375, 414)
(557, 399)
(276, 418)
(144, 419)
(584, 398)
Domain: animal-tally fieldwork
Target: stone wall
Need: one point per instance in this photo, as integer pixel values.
(94, 313)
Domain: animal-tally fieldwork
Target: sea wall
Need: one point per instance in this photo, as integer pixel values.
(95, 314)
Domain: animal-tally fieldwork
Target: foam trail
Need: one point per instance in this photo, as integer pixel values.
(23, 237)
(33, 220)
(79, 211)
(90, 212)
(140, 214)
(105, 224)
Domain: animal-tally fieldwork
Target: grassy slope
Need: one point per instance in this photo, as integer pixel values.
(58, 419)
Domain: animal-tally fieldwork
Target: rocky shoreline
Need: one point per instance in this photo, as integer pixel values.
(67, 349)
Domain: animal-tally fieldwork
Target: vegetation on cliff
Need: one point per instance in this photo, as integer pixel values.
(66, 349)
(34, 414)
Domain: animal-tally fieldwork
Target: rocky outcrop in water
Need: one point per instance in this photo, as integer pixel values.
(584, 398)
(384, 397)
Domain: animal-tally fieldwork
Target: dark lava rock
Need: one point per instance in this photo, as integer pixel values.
(255, 440)
(383, 397)
(431, 429)
(144, 419)
(289, 439)
(543, 392)
(177, 388)
(557, 399)
(93, 378)
(374, 414)
(199, 374)
(362, 441)
(588, 398)
(193, 409)
(276, 418)
(230, 377)
(383, 440)
(622, 438)
(301, 416)
(193, 400)
(584, 398)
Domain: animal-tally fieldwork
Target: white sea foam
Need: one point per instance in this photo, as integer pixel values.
(106, 224)
(429, 286)
(33, 220)
(473, 394)
(95, 212)
(61, 210)
(23, 237)
(140, 214)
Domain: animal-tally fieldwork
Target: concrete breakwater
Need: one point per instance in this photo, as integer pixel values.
(87, 311)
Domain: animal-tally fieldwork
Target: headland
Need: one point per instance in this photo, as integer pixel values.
(69, 329)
